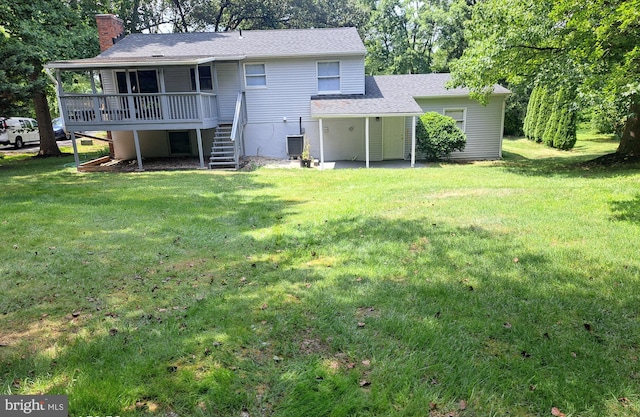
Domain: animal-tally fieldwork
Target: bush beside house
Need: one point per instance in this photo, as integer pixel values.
(437, 136)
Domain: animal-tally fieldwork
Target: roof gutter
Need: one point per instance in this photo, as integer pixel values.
(358, 116)
(91, 63)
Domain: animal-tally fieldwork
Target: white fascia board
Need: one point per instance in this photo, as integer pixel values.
(355, 116)
(70, 65)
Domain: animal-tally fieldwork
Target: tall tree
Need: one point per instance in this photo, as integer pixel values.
(590, 43)
(415, 36)
(225, 15)
(31, 34)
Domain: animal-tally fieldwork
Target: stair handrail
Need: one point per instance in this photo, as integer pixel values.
(237, 126)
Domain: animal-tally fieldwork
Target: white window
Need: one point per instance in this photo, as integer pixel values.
(328, 77)
(255, 75)
(459, 115)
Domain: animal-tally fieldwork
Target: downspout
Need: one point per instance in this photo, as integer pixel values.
(504, 105)
(413, 142)
(366, 141)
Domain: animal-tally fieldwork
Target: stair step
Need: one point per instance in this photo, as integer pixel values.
(222, 164)
(223, 148)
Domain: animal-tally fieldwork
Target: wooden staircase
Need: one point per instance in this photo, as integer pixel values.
(223, 148)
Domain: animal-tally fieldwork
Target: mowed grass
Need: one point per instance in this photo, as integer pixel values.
(487, 289)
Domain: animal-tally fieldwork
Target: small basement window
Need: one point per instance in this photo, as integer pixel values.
(459, 115)
(179, 143)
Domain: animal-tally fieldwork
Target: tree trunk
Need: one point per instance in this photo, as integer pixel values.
(630, 140)
(48, 145)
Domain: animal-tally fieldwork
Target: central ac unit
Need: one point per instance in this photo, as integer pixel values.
(295, 144)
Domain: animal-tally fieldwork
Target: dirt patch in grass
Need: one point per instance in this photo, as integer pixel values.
(613, 160)
(311, 344)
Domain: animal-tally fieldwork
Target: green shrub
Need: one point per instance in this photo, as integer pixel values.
(565, 137)
(532, 113)
(606, 118)
(437, 136)
(553, 123)
(544, 113)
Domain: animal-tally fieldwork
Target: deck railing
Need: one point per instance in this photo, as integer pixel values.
(88, 109)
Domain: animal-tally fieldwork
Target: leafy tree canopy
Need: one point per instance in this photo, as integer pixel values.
(590, 43)
(32, 33)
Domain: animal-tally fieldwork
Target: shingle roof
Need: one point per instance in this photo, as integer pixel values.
(428, 85)
(193, 48)
(390, 95)
(252, 44)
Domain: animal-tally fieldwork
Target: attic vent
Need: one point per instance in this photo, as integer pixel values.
(294, 145)
(157, 56)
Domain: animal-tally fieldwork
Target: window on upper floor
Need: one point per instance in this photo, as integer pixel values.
(255, 75)
(459, 115)
(204, 76)
(329, 77)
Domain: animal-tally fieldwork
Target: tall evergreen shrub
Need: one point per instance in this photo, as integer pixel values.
(532, 113)
(565, 136)
(553, 122)
(544, 113)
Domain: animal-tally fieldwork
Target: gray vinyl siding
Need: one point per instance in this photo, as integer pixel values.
(352, 75)
(229, 84)
(177, 79)
(483, 125)
(290, 85)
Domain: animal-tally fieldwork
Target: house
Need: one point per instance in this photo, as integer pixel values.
(222, 96)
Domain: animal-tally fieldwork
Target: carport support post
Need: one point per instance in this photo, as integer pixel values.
(366, 140)
(75, 149)
(136, 141)
(321, 144)
(200, 152)
(413, 141)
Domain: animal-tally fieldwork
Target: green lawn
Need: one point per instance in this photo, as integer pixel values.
(488, 289)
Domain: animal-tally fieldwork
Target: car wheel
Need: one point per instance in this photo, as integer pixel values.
(19, 143)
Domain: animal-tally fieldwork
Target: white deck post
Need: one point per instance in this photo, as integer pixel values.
(321, 144)
(164, 104)
(96, 101)
(413, 141)
(75, 149)
(366, 140)
(215, 90)
(132, 107)
(200, 152)
(136, 141)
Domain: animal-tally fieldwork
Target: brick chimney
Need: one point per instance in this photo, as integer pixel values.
(110, 30)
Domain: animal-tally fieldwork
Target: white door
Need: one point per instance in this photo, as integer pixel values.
(393, 138)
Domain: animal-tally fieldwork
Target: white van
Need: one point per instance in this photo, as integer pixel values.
(17, 131)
